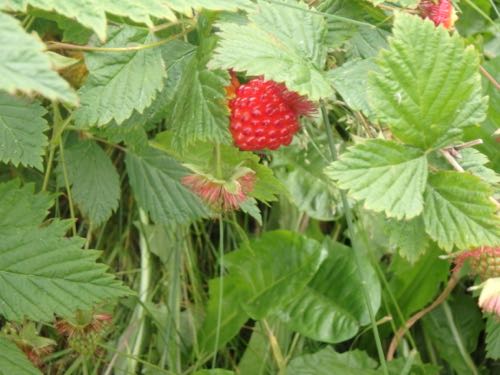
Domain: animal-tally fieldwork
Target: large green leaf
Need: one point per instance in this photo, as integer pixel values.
(388, 176)
(155, 180)
(94, 179)
(199, 110)
(22, 138)
(328, 362)
(233, 316)
(332, 307)
(118, 83)
(92, 13)
(13, 360)
(25, 68)
(429, 87)
(493, 338)
(283, 43)
(264, 284)
(458, 211)
(41, 272)
(414, 285)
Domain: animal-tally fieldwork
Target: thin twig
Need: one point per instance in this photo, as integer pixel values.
(139, 47)
(489, 77)
(415, 318)
(461, 146)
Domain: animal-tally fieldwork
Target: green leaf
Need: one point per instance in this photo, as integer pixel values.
(266, 285)
(310, 190)
(199, 110)
(42, 273)
(22, 127)
(118, 83)
(475, 162)
(466, 317)
(233, 316)
(92, 13)
(14, 361)
(94, 179)
(492, 338)
(350, 81)
(416, 284)
(409, 237)
(257, 358)
(155, 180)
(25, 68)
(21, 208)
(281, 42)
(335, 314)
(428, 88)
(328, 362)
(388, 176)
(458, 211)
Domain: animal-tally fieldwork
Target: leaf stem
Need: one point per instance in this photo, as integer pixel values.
(59, 45)
(458, 339)
(357, 254)
(221, 290)
(68, 189)
(275, 347)
(452, 282)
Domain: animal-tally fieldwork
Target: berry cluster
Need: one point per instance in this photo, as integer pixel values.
(265, 115)
(441, 12)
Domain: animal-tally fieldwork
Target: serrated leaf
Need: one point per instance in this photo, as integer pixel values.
(409, 237)
(350, 81)
(199, 110)
(475, 162)
(428, 88)
(388, 176)
(14, 361)
(283, 43)
(22, 127)
(334, 314)
(493, 338)
(20, 207)
(94, 179)
(155, 180)
(265, 285)
(119, 83)
(25, 68)
(92, 13)
(41, 272)
(328, 362)
(458, 211)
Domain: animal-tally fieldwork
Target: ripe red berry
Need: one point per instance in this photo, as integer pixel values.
(265, 115)
(441, 12)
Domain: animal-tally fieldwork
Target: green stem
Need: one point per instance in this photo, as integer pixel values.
(68, 189)
(58, 45)
(221, 290)
(357, 253)
(458, 339)
(144, 286)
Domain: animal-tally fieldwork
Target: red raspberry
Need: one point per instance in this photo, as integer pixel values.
(484, 261)
(441, 12)
(265, 115)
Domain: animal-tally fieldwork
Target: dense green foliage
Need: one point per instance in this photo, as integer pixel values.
(112, 112)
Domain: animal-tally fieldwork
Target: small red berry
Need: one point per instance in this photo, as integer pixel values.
(265, 115)
(441, 12)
